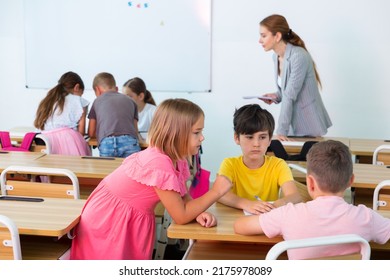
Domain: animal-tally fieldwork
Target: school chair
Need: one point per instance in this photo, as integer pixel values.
(381, 201)
(162, 238)
(160, 218)
(384, 159)
(42, 144)
(302, 188)
(365, 196)
(25, 247)
(39, 189)
(298, 167)
(41, 247)
(25, 143)
(9, 240)
(163, 219)
(364, 254)
(31, 142)
(279, 151)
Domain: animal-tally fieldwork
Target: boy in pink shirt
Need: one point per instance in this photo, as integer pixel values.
(329, 174)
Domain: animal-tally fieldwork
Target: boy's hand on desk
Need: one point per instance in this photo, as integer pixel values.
(258, 207)
(206, 219)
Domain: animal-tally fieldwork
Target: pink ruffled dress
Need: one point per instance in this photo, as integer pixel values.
(118, 221)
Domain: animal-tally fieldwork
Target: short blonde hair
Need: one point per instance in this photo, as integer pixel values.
(105, 80)
(171, 127)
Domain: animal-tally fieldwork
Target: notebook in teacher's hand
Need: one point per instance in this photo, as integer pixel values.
(259, 97)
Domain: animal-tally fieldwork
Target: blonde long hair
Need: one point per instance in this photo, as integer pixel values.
(171, 126)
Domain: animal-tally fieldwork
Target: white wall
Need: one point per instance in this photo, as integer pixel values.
(348, 40)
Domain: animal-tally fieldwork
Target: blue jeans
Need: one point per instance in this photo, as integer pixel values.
(118, 146)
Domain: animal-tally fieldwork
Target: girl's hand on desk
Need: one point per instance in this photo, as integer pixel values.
(206, 219)
(258, 207)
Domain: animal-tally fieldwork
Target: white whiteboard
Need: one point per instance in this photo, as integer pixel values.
(167, 43)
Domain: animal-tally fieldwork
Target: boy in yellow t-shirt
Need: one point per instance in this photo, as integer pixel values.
(255, 177)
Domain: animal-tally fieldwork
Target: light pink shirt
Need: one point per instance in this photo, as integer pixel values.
(326, 215)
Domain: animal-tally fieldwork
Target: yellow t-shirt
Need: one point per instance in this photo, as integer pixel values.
(264, 182)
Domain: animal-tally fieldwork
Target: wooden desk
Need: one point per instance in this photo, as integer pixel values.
(89, 171)
(214, 243)
(364, 149)
(221, 242)
(18, 158)
(294, 147)
(367, 176)
(222, 232)
(95, 168)
(52, 217)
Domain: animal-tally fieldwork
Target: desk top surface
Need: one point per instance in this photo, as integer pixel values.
(223, 231)
(365, 147)
(366, 175)
(52, 217)
(89, 167)
(18, 158)
(295, 144)
(369, 175)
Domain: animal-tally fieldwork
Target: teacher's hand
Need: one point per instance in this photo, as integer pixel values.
(269, 98)
(282, 138)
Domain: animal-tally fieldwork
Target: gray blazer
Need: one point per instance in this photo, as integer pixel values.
(302, 113)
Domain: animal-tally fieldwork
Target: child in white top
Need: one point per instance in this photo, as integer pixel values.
(136, 89)
(61, 117)
(84, 103)
(329, 173)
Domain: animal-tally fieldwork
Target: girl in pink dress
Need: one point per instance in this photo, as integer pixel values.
(118, 220)
(61, 117)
